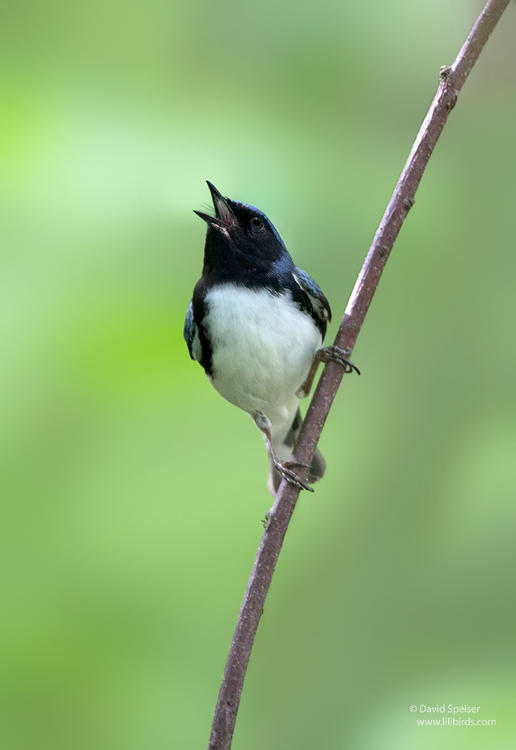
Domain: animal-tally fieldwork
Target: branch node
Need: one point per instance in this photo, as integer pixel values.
(444, 72)
(408, 203)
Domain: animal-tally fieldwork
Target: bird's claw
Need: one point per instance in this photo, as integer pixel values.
(290, 476)
(338, 355)
(290, 462)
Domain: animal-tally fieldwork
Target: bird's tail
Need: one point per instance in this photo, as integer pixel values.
(283, 451)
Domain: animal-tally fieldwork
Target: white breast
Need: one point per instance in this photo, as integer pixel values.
(263, 347)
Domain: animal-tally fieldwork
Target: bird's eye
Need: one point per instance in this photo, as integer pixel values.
(257, 223)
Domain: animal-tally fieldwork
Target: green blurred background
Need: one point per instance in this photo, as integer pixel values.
(132, 493)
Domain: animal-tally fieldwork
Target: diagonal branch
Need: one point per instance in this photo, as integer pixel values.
(451, 81)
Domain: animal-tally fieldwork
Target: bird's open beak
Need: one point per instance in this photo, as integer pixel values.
(224, 216)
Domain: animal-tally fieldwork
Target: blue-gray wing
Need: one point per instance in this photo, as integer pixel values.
(320, 304)
(190, 330)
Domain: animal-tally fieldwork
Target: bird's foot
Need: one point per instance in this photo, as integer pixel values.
(338, 355)
(284, 468)
(290, 462)
(324, 355)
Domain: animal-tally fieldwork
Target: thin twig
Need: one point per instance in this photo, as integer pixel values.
(451, 81)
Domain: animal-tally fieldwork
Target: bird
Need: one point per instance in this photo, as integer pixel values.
(256, 323)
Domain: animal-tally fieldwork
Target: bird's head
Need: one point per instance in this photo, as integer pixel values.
(240, 234)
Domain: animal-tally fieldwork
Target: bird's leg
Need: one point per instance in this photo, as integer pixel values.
(324, 355)
(284, 467)
(304, 390)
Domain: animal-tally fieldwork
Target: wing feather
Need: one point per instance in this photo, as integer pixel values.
(190, 330)
(315, 294)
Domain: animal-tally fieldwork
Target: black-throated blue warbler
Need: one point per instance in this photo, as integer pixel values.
(256, 323)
